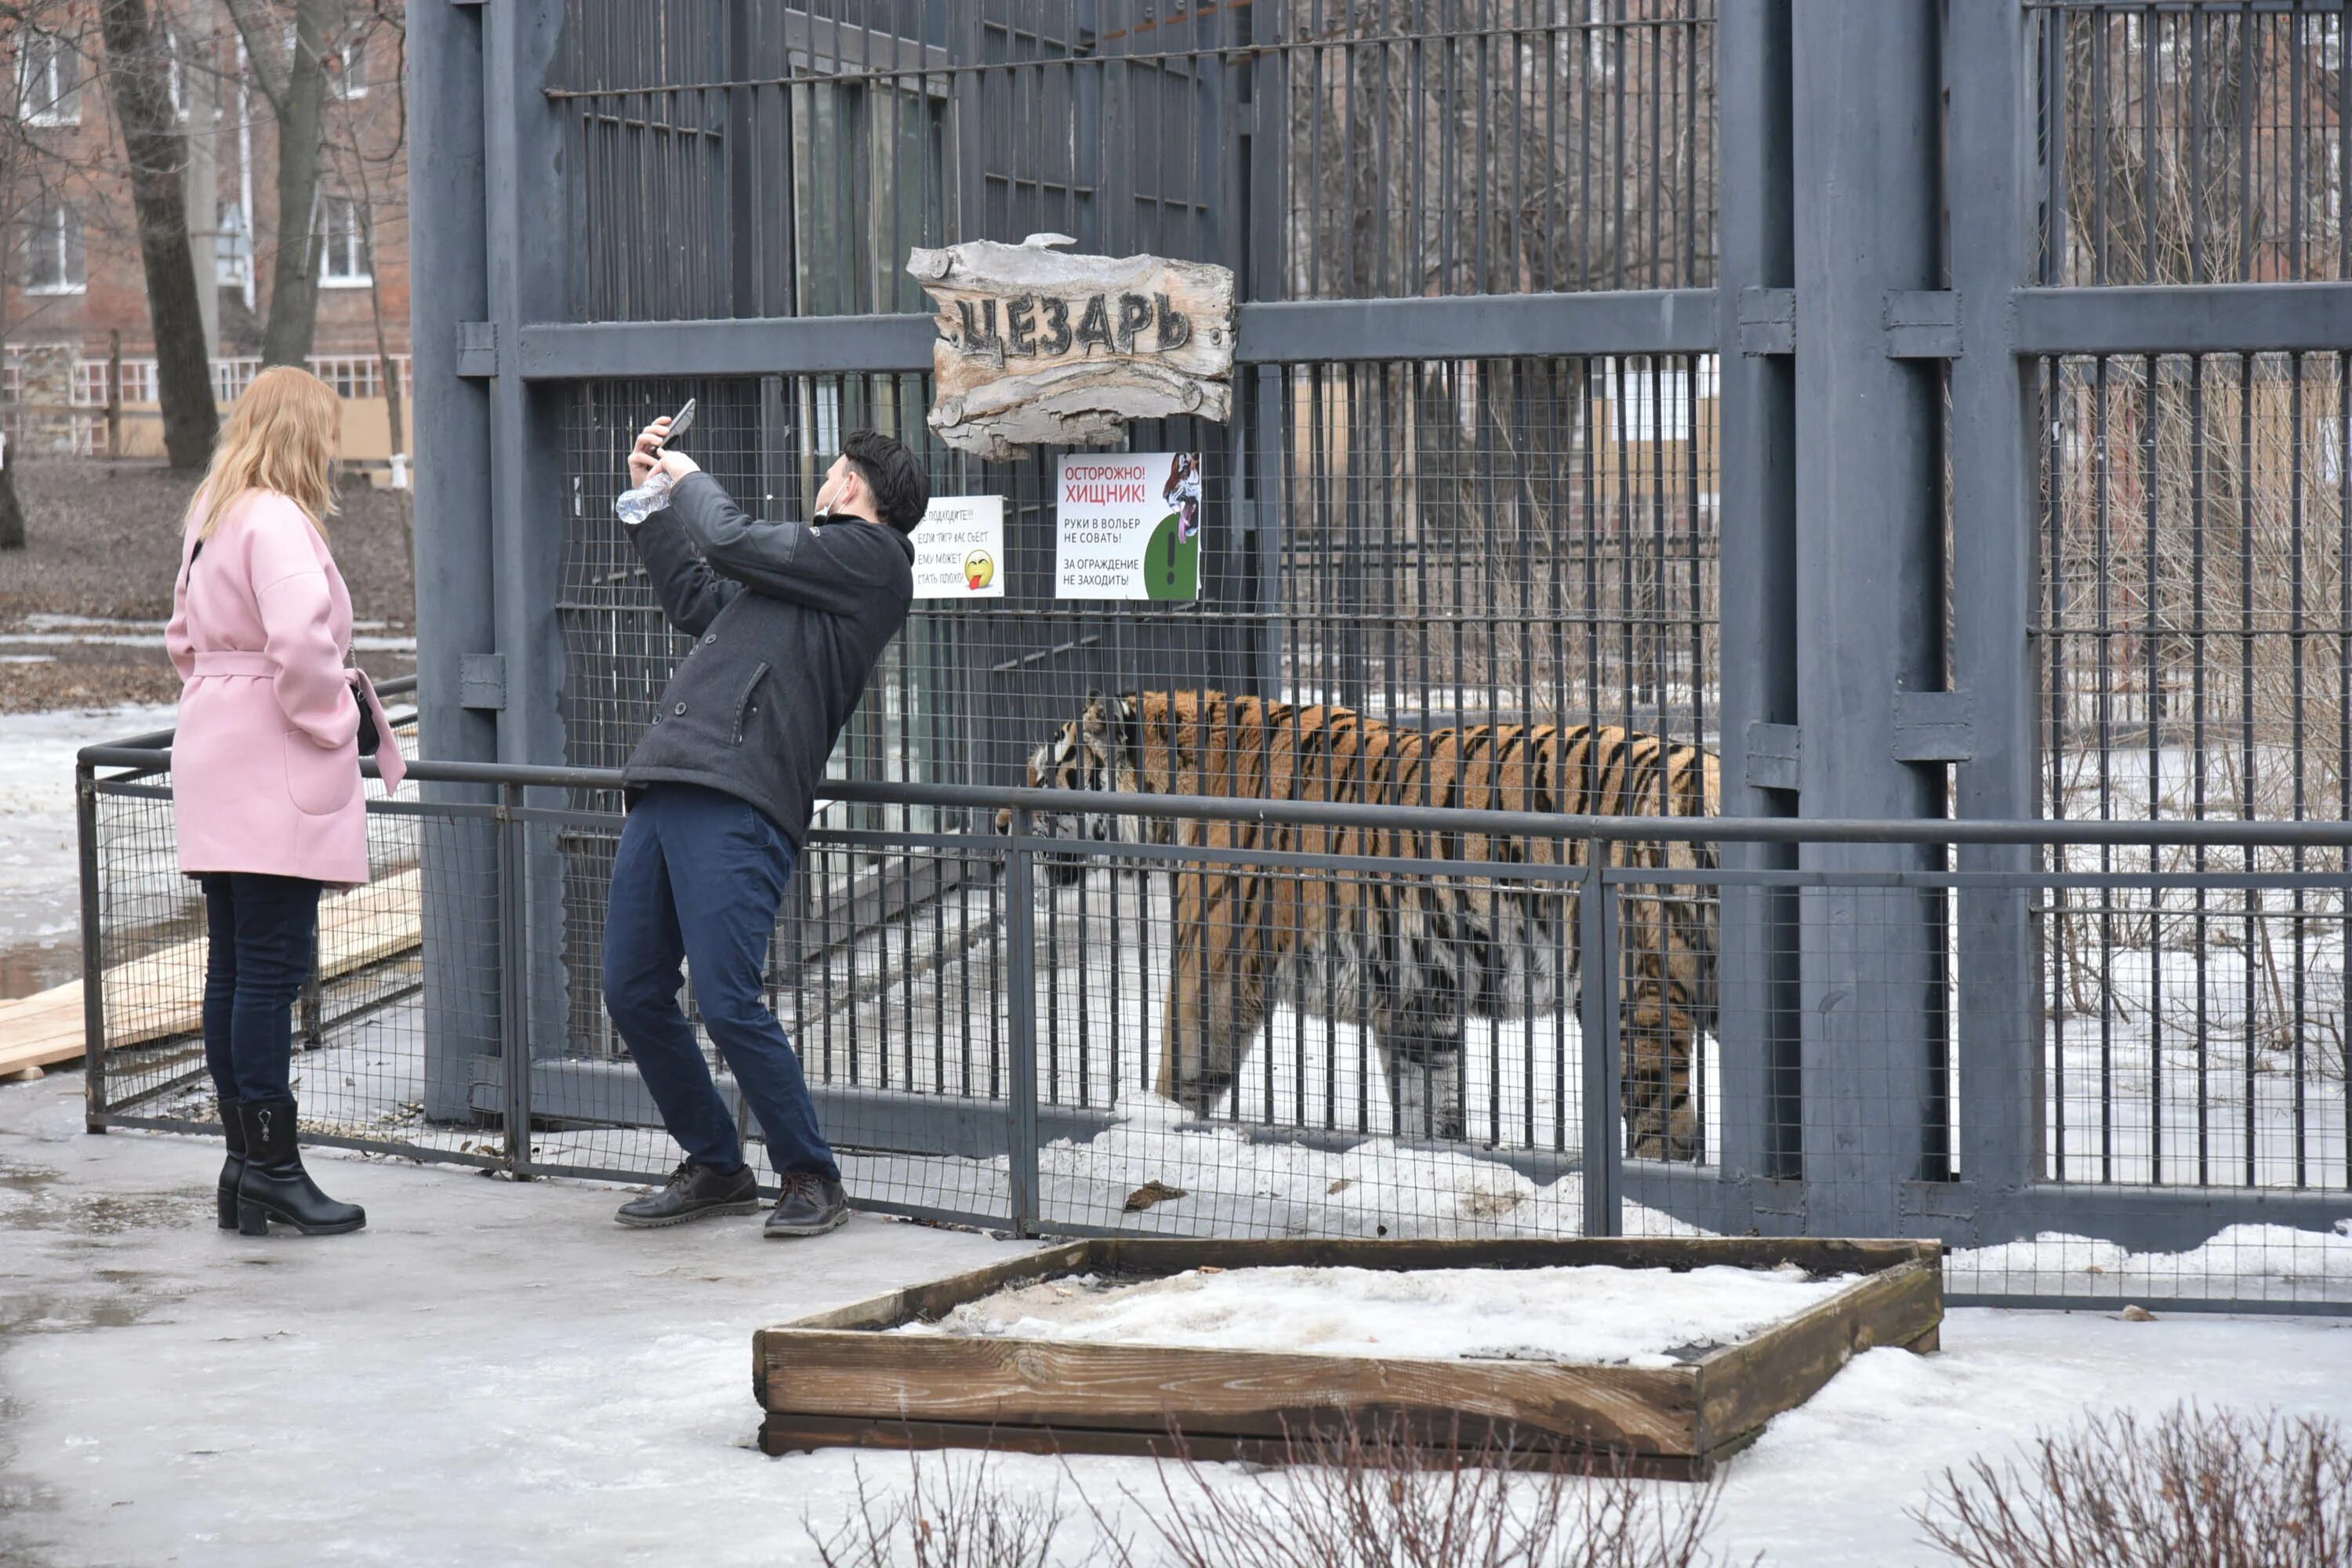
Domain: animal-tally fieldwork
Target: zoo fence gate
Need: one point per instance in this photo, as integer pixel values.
(990, 1060)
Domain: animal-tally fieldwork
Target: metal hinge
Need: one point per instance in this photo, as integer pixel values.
(1768, 321)
(1935, 727)
(1922, 323)
(1773, 753)
(478, 348)
(482, 682)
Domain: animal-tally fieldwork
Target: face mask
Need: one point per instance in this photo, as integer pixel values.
(826, 500)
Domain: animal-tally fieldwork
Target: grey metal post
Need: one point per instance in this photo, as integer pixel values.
(1021, 1006)
(93, 950)
(457, 632)
(1995, 524)
(1757, 527)
(514, 1020)
(1602, 1163)
(524, 172)
(1869, 591)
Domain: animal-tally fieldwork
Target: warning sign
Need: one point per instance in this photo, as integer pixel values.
(1130, 526)
(959, 549)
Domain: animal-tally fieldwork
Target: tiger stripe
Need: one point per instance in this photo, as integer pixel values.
(1413, 959)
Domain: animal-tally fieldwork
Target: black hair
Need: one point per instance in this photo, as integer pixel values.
(901, 490)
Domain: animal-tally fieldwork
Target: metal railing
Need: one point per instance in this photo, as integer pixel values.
(1227, 1024)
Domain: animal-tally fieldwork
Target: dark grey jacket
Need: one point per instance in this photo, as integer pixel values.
(788, 620)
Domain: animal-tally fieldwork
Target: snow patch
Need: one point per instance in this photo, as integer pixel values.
(1589, 1315)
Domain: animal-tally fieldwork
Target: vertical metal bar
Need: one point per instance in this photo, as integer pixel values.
(514, 958)
(93, 948)
(1869, 594)
(313, 1032)
(457, 607)
(1996, 515)
(1756, 645)
(2251, 898)
(527, 191)
(1020, 975)
(1603, 1151)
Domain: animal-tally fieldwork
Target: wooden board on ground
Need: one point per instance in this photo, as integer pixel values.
(839, 1379)
(364, 927)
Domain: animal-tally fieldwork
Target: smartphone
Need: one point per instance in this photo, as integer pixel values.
(680, 423)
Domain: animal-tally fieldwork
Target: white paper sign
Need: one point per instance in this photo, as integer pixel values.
(959, 549)
(1130, 526)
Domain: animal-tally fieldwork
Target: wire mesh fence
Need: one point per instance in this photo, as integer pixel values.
(1082, 1011)
(773, 158)
(2194, 144)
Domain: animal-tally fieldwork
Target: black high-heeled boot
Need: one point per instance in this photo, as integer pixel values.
(233, 1168)
(275, 1185)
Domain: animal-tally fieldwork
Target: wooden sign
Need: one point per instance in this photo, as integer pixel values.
(1039, 348)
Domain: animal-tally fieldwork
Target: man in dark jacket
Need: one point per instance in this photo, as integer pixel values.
(788, 619)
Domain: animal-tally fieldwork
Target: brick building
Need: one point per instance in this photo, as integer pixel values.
(74, 288)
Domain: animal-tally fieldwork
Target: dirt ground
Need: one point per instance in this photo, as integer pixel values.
(103, 544)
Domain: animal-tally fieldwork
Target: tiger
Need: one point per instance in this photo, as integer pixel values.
(1412, 959)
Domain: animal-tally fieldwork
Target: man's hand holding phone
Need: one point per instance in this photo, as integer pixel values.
(650, 455)
(647, 455)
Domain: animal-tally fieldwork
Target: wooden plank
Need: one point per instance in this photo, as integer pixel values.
(797, 1434)
(1157, 1255)
(1744, 1385)
(1143, 1387)
(377, 922)
(930, 1301)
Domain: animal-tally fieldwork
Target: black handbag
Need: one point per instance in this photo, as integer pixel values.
(369, 739)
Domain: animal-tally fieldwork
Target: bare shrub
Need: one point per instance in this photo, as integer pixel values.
(2197, 1489)
(1364, 1495)
(951, 1515)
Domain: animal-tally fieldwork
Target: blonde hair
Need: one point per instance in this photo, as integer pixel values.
(280, 436)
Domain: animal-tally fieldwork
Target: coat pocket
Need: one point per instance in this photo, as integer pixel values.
(745, 705)
(321, 782)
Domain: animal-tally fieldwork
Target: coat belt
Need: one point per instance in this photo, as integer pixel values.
(232, 663)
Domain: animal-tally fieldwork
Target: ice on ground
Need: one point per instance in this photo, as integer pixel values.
(40, 865)
(495, 1372)
(1589, 1314)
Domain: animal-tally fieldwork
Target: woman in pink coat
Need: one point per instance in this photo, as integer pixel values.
(266, 769)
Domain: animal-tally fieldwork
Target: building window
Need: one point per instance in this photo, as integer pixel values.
(232, 377)
(343, 245)
(48, 81)
(233, 248)
(1651, 400)
(53, 250)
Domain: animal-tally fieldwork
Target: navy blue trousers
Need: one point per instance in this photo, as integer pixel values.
(698, 878)
(260, 932)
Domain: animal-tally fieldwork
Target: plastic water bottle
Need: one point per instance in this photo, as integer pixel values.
(636, 505)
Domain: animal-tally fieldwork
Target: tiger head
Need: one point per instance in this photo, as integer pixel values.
(1096, 751)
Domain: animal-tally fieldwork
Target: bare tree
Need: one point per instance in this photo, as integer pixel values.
(365, 167)
(138, 88)
(301, 34)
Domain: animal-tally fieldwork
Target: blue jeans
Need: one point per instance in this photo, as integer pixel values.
(698, 877)
(261, 932)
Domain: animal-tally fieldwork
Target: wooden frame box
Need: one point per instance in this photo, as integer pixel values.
(837, 1380)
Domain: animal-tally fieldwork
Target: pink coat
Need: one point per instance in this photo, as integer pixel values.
(265, 768)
